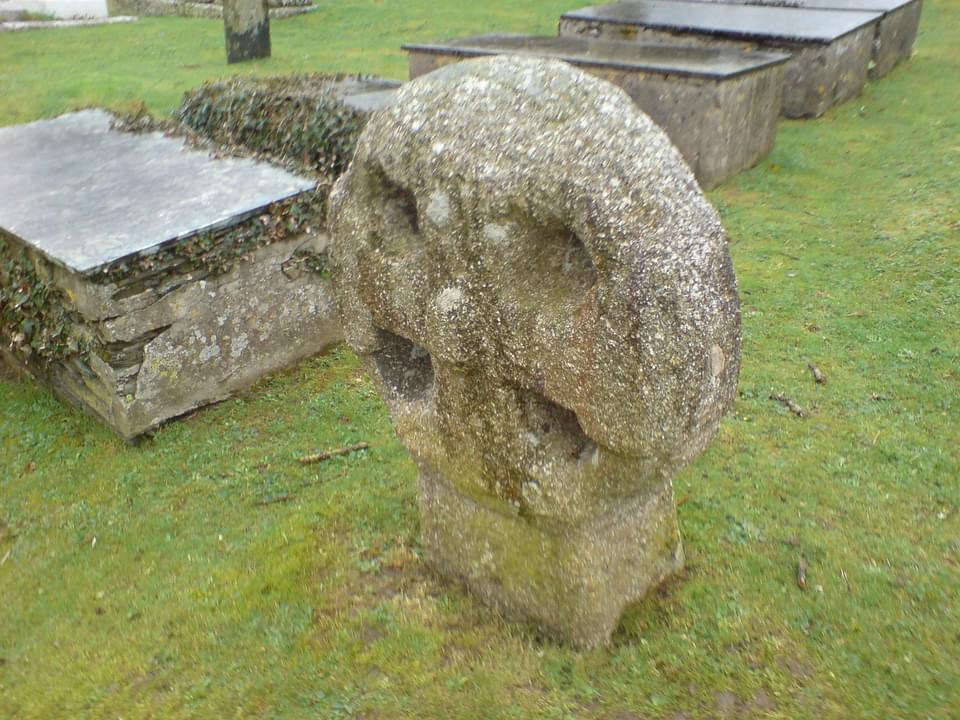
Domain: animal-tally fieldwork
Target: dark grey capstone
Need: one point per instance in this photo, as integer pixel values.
(718, 105)
(85, 196)
(895, 33)
(831, 50)
(246, 25)
(546, 300)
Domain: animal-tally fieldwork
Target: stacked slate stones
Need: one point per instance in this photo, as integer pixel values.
(716, 74)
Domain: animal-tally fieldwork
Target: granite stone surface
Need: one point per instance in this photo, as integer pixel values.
(85, 195)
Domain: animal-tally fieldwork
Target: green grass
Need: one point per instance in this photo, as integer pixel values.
(229, 581)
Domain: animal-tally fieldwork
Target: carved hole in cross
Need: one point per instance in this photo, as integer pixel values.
(399, 207)
(550, 424)
(547, 269)
(405, 367)
(576, 264)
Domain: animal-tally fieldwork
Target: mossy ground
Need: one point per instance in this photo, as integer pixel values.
(206, 573)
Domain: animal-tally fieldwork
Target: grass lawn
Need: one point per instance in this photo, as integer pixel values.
(207, 574)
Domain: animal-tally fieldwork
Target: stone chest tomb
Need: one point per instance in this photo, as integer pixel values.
(895, 33)
(719, 106)
(142, 278)
(546, 300)
(830, 51)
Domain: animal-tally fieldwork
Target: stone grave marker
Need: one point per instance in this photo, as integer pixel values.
(246, 24)
(830, 50)
(546, 300)
(718, 105)
(142, 278)
(895, 32)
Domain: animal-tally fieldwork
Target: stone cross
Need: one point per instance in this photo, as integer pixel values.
(246, 24)
(546, 300)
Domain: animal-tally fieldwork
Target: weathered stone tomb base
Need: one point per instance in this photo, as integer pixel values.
(164, 351)
(220, 278)
(895, 32)
(720, 128)
(573, 581)
(894, 40)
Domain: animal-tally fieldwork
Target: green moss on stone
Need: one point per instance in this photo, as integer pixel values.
(37, 319)
(296, 120)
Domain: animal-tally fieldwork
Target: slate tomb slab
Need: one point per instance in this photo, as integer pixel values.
(85, 196)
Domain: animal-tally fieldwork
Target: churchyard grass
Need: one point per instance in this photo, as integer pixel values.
(208, 573)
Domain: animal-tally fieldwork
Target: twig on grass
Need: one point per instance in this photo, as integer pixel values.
(790, 405)
(818, 375)
(285, 497)
(327, 454)
(802, 573)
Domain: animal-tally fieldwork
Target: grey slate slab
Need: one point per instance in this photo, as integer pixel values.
(371, 101)
(85, 195)
(352, 86)
(717, 63)
(788, 24)
(367, 94)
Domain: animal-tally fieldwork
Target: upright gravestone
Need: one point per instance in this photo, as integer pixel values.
(246, 25)
(547, 302)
